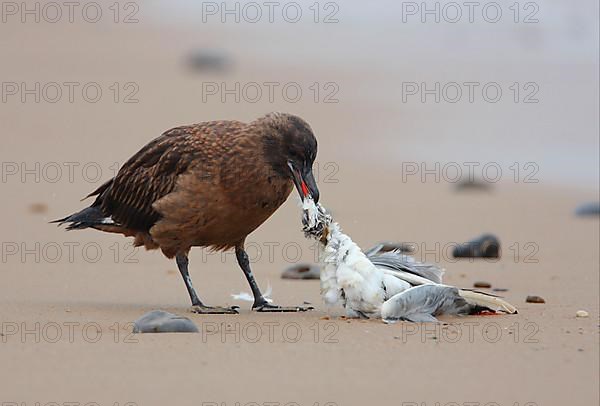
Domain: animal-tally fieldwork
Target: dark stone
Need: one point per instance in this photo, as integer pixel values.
(472, 185)
(481, 284)
(302, 271)
(485, 246)
(588, 209)
(159, 321)
(203, 60)
(535, 299)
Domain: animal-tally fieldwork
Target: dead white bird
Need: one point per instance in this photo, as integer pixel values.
(390, 285)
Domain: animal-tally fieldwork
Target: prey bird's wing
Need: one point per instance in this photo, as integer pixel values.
(422, 303)
(402, 263)
(411, 278)
(373, 250)
(385, 247)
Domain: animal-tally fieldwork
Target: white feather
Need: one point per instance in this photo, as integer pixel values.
(247, 297)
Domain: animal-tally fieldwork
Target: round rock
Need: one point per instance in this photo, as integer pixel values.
(535, 299)
(159, 321)
(302, 271)
(588, 209)
(484, 246)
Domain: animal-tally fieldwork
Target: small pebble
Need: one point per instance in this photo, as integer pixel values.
(325, 318)
(535, 299)
(500, 290)
(302, 271)
(472, 184)
(38, 208)
(201, 60)
(481, 284)
(582, 313)
(159, 321)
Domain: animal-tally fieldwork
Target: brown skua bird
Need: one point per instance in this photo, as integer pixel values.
(207, 185)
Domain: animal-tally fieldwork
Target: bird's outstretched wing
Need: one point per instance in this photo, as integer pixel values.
(399, 261)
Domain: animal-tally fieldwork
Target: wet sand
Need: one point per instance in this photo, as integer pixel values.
(305, 358)
(67, 300)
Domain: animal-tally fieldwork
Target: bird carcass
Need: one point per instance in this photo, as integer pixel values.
(390, 285)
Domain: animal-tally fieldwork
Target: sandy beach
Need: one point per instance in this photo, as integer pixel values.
(386, 168)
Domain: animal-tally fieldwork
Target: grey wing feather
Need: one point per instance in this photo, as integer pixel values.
(420, 302)
(373, 250)
(398, 261)
(385, 247)
(421, 318)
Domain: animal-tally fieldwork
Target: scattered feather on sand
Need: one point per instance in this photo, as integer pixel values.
(247, 297)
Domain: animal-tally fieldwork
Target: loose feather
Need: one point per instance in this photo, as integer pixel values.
(247, 297)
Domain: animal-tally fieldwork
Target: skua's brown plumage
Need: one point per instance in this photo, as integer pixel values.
(208, 185)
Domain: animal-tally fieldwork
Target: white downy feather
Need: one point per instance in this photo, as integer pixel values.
(348, 270)
(247, 297)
